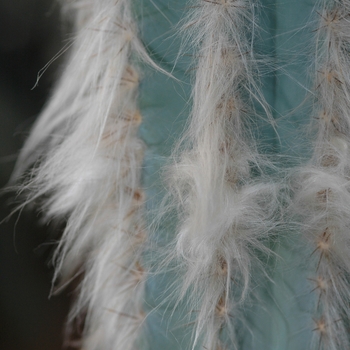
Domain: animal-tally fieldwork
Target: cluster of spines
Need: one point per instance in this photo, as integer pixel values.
(224, 214)
(323, 197)
(89, 171)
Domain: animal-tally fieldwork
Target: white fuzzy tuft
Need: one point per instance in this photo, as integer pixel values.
(224, 214)
(322, 188)
(88, 167)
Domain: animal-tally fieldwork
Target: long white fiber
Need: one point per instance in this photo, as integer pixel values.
(322, 196)
(88, 160)
(224, 213)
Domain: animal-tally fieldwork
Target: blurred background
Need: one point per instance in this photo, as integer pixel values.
(31, 34)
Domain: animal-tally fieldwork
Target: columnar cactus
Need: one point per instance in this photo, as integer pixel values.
(189, 227)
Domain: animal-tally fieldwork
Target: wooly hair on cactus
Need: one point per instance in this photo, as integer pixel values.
(83, 163)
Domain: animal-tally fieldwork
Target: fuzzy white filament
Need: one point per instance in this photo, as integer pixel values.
(224, 213)
(88, 172)
(322, 195)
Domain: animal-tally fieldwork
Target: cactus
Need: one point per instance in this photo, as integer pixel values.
(181, 216)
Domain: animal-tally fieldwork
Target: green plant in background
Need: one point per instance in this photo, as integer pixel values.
(165, 148)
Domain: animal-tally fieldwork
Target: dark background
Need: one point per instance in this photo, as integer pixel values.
(31, 34)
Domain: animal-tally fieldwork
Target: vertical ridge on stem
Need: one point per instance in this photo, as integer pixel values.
(224, 213)
(322, 195)
(85, 162)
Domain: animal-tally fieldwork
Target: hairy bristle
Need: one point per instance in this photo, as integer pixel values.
(322, 196)
(224, 213)
(85, 160)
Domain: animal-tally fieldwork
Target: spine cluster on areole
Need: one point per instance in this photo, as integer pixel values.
(224, 213)
(323, 194)
(90, 173)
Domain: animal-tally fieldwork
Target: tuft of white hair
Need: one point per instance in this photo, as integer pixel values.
(85, 160)
(225, 213)
(322, 188)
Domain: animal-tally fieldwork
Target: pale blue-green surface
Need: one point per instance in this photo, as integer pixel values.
(278, 316)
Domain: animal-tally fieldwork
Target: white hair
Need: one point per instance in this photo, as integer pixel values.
(225, 212)
(87, 161)
(321, 188)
